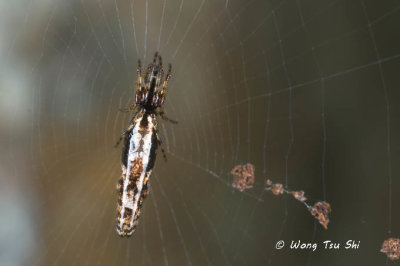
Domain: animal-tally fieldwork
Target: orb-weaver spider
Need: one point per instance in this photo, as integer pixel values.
(141, 140)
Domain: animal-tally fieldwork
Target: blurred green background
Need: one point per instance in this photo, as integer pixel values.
(305, 90)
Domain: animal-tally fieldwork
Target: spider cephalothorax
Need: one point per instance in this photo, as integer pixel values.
(151, 86)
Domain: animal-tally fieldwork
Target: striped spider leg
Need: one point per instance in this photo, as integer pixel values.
(141, 140)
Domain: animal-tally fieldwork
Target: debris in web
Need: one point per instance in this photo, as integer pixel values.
(391, 247)
(244, 176)
(244, 179)
(320, 210)
(277, 189)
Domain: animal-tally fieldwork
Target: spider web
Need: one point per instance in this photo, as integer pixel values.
(304, 90)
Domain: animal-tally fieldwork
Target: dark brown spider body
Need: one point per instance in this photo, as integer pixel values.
(141, 141)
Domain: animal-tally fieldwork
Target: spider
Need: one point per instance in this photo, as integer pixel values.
(141, 140)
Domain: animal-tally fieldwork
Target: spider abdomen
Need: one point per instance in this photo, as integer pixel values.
(137, 163)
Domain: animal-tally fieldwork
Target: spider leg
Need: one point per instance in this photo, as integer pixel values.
(139, 74)
(164, 89)
(164, 117)
(155, 58)
(165, 82)
(160, 61)
(160, 73)
(120, 138)
(150, 68)
(126, 130)
(128, 109)
(169, 73)
(160, 143)
(159, 81)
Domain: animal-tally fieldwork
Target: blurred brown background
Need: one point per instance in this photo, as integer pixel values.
(307, 91)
